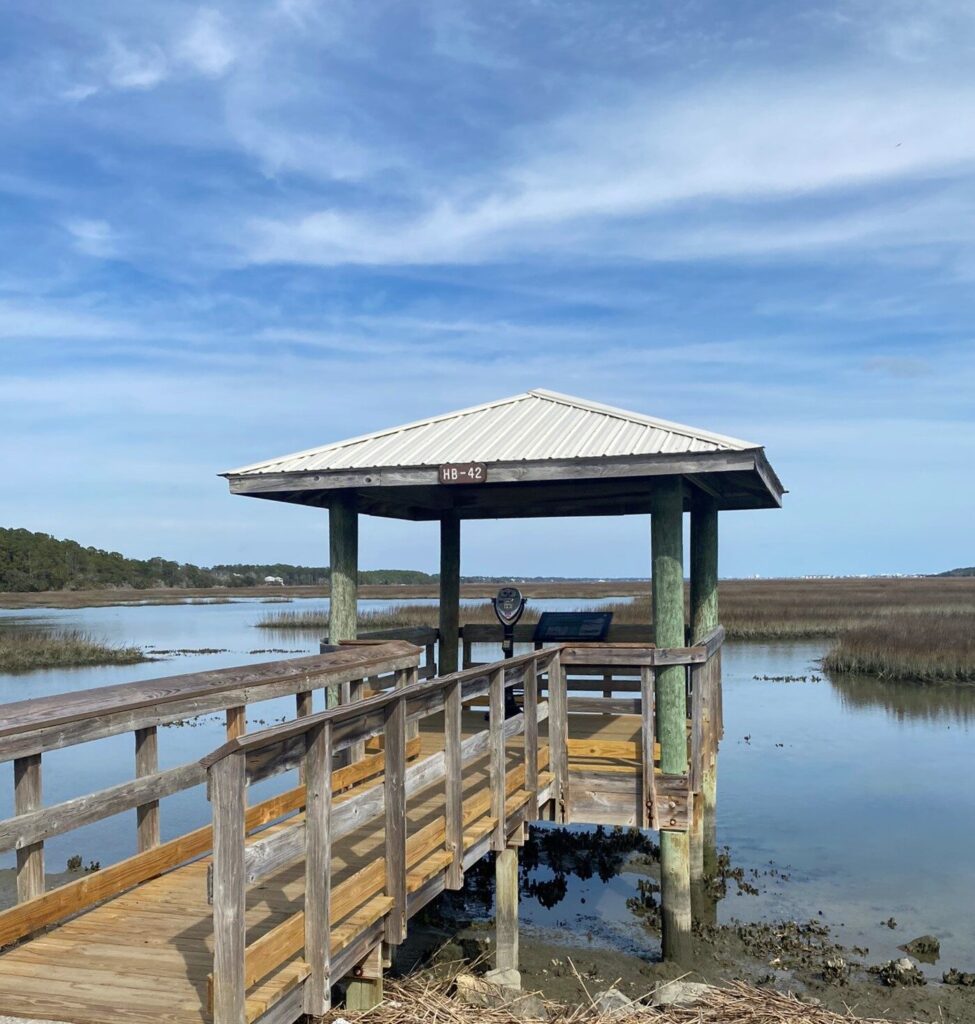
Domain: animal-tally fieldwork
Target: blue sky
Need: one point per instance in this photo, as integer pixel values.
(233, 231)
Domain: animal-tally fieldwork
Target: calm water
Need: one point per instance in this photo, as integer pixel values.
(851, 798)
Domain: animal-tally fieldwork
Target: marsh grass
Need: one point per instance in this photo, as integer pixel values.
(24, 651)
(912, 628)
(928, 647)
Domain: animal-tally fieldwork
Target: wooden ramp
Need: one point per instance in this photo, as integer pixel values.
(146, 955)
(414, 787)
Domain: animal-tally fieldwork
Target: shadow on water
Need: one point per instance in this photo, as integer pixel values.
(904, 700)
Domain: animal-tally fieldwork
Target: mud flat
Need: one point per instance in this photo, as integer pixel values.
(569, 963)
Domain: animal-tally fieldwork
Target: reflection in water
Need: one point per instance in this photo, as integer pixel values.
(904, 700)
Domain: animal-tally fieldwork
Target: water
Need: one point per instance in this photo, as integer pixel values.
(850, 797)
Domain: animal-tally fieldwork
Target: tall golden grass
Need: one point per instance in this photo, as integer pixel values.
(926, 646)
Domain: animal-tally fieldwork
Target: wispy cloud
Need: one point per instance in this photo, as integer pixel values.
(730, 148)
(93, 237)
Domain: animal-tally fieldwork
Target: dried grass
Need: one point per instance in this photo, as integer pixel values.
(426, 998)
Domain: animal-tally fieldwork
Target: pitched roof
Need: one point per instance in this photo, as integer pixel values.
(536, 425)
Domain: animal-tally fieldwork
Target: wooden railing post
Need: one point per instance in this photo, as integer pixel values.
(407, 678)
(647, 741)
(358, 749)
(454, 783)
(226, 792)
(236, 722)
(530, 708)
(394, 744)
(558, 736)
(496, 753)
(304, 705)
(27, 797)
(147, 763)
(318, 868)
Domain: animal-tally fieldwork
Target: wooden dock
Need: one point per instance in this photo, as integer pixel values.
(400, 789)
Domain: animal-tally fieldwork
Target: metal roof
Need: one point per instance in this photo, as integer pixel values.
(536, 425)
(542, 453)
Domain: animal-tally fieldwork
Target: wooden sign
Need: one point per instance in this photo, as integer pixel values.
(463, 473)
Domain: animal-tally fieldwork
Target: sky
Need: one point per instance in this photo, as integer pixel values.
(232, 231)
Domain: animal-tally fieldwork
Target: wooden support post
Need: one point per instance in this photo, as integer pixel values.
(454, 785)
(27, 797)
(318, 868)
(506, 916)
(449, 592)
(343, 536)
(365, 991)
(558, 739)
(667, 546)
(147, 763)
(394, 746)
(530, 708)
(647, 741)
(468, 653)
(704, 618)
(226, 791)
(496, 752)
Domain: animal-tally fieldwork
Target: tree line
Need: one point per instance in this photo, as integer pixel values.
(37, 561)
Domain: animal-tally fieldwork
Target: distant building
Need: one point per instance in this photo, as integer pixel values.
(274, 581)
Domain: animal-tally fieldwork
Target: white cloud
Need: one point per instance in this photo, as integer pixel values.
(206, 47)
(45, 320)
(128, 67)
(93, 237)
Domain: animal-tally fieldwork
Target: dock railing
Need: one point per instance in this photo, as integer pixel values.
(30, 729)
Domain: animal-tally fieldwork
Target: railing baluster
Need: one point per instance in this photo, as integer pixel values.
(236, 722)
(410, 676)
(227, 778)
(304, 705)
(27, 797)
(147, 763)
(647, 741)
(356, 692)
(530, 708)
(318, 867)
(496, 751)
(454, 783)
(394, 744)
(558, 735)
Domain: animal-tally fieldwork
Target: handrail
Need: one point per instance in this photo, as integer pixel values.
(343, 714)
(49, 723)
(28, 729)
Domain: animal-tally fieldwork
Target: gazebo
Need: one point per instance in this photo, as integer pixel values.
(544, 454)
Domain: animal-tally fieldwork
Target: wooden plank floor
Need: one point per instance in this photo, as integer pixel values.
(144, 956)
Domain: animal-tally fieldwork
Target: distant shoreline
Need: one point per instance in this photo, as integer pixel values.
(367, 591)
